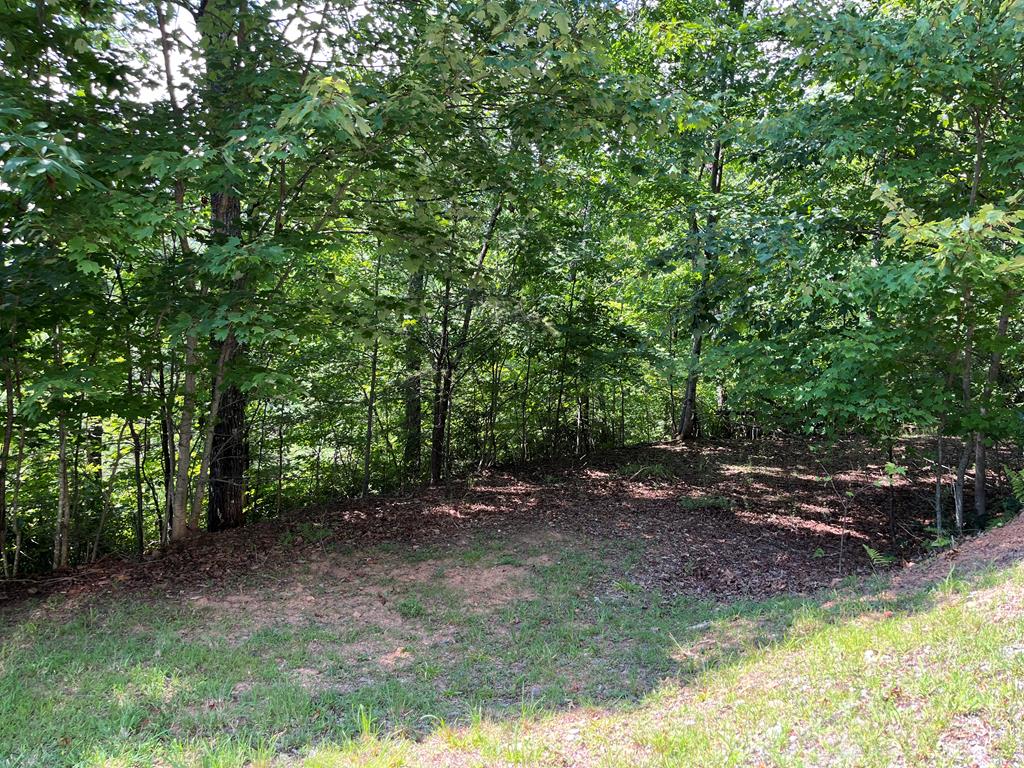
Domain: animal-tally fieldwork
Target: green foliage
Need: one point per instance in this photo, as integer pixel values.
(654, 471)
(410, 608)
(422, 242)
(879, 559)
(1016, 479)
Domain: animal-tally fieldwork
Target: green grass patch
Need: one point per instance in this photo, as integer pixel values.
(844, 678)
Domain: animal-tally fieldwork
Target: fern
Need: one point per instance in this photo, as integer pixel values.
(878, 559)
(1016, 483)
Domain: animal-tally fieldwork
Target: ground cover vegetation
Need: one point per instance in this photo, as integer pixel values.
(384, 381)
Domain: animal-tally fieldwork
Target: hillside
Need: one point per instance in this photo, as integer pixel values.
(650, 609)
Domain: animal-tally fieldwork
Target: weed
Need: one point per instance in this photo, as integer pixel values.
(410, 608)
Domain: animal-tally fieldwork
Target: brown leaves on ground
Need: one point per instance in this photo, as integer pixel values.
(724, 520)
(998, 547)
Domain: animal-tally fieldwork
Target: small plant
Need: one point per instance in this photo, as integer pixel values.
(879, 559)
(369, 728)
(646, 472)
(941, 540)
(305, 532)
(410, 608)
(705, 502)
(1016, 484)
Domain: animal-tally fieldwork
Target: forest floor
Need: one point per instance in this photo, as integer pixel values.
(670, 605)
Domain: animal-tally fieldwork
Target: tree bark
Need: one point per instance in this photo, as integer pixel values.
(980, 449)
(6, 451)
(179, 508)
(203, 478)
(688, 418)
(229, 461)
(437, 432)
(370, 400)
(62, 532)
(413, 386)
(222, 31)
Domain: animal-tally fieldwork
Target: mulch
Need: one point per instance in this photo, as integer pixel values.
(718, 521)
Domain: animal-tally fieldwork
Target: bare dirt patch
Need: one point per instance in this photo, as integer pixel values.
(993, 549)
(479, 586)
(969, 741)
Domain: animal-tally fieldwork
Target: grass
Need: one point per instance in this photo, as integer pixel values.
(656, 471)
(704, 502)
(572, 674)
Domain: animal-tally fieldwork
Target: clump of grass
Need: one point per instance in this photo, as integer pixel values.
(410, 608)
(305, 532)
(646, 472)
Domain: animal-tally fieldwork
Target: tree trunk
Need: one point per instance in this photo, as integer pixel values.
(688, 417)
(229, 461)
(62, 531)
(441, 372)
(583, 425)
(6, 452)
(966, 385)
(413, 386)
(139, 519)
(524, 414)
(166, 457)
(203, 478)
(370, 399)
(980, 449)
(221, 25)
(556, 420)
(179, 508)
(939, 470)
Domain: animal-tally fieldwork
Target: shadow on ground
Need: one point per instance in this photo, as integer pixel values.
(579, 589)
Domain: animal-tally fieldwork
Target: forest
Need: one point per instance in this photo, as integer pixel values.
(357, 275)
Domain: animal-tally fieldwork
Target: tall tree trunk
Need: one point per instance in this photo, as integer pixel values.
(437, 432)
(672, 412)
(524, 414)
(167, 459)
(980, 449)
(966, 385)
(203, 478)
(62, 531)
(370, 400)
(980, 458)
(221, 25)
(939, 470)
(179, 508)
(583, 442)
(450, 355)
(6, 452)
(688, 426)
(139, 518)
(228, 464)
(229, 457)
(412, 388)
(279, 492)
(12, 512)
(562, 364)
(688, 417)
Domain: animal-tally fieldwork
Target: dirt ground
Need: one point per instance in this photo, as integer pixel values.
(721, 521)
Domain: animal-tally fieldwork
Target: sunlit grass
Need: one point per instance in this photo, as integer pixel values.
(572, 675)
